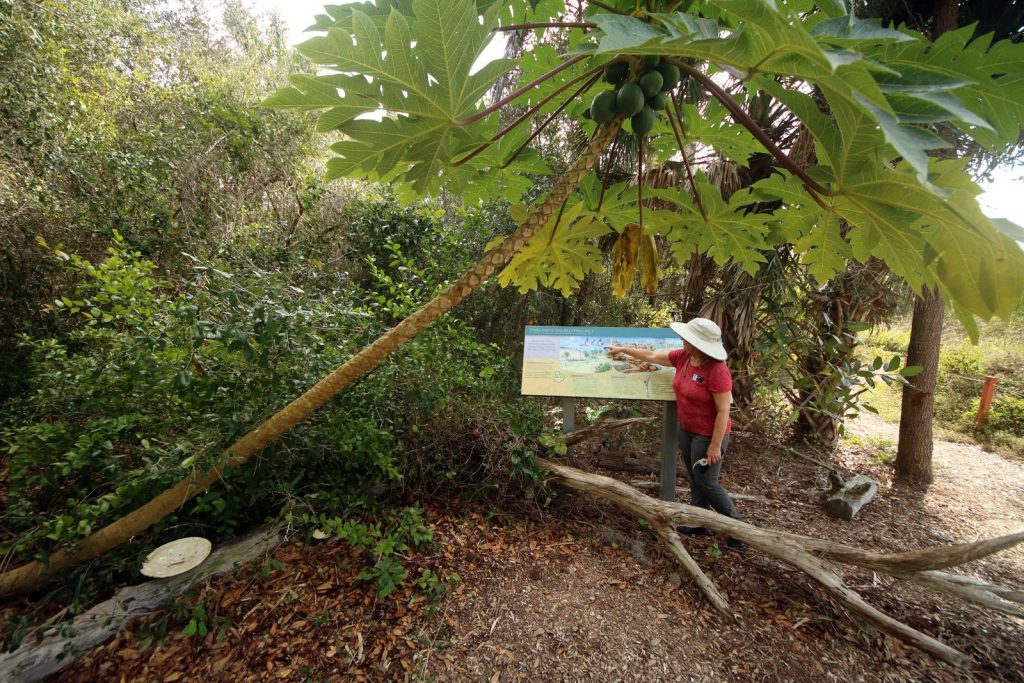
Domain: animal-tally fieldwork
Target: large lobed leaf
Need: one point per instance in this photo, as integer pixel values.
(724, 231)
(896, 78)
(559, 255)
(403, 87)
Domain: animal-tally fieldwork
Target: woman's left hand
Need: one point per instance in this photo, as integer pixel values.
(714, 453)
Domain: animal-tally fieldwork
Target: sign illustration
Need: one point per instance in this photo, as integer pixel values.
(574, 361)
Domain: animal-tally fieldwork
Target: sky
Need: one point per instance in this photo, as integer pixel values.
(1001, 199)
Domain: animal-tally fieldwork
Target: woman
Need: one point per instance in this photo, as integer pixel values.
(703, 388)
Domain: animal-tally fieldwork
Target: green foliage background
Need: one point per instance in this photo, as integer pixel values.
(175, 270)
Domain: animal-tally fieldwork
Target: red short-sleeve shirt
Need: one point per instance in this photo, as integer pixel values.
(693, 387)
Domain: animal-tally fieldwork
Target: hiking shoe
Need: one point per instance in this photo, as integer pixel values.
(735, 544)
(692, 530)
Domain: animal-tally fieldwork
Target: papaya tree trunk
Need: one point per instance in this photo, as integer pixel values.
(34, 574)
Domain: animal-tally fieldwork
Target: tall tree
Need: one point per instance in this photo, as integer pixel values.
(914, 451)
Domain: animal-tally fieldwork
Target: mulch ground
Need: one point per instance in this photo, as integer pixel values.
(578, 592)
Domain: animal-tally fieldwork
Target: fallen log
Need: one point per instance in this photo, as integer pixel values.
(603, 428)
(623, 462)
(815, 557)
(60, 646)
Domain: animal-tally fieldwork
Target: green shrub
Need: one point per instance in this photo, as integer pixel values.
(1006, 361)
(963, 359)
(156, 378)
(383, 540)
(960, 369)
(1007, 414)
(889, 339)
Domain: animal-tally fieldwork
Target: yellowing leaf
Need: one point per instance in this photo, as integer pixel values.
(651, 274)
(624, 260)
(559, 255)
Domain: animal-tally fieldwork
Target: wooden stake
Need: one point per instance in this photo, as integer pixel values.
(988, 392)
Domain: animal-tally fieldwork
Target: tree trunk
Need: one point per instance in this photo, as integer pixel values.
(914, 453)
(699, 273)
(945, 17)
(29, 576)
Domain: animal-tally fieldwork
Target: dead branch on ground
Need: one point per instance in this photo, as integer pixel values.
(815, 557)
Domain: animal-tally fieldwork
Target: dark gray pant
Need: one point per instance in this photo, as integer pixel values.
(705, 491)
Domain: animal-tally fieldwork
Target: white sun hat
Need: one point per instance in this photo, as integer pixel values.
(704, 334)
(176, 557)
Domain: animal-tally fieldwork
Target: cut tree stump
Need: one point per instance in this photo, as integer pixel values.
(59, 647)
(846, 498)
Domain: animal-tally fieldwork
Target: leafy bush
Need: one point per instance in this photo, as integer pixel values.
(960, 369)
(962, 360)
(820, 369)
(891, 339)
(1005, 415)
(129, 116)
(156, 378)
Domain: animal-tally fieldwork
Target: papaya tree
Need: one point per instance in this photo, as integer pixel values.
(401, 88)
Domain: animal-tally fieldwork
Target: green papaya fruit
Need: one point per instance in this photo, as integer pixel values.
(642, 122)
(651, 82)
(657, 101)
(616, 72)
(603, 107)
(650, 61)
(630, 99)
(669, 74)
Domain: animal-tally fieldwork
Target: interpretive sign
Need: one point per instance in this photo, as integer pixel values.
(574, 361)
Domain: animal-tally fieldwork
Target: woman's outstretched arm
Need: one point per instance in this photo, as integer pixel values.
(656, 357)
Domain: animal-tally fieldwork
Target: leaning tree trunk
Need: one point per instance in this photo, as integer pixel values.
(34, 574)
(914, 452)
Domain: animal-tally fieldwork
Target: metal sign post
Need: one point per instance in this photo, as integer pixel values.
(668, 452)
(568, 419)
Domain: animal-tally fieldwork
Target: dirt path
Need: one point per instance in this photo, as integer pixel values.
(577, 592)
(975, 494)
